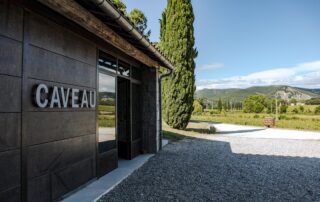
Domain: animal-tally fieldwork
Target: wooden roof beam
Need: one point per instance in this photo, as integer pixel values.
(73, 11)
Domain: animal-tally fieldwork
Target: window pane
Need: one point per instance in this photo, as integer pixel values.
(107, 62)
(136, 73)
(124, 69)
(107, 112)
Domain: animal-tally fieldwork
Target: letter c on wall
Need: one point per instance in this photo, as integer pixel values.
(41, 88)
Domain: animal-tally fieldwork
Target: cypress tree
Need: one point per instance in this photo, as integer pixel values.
(219, 105)
(177, 43)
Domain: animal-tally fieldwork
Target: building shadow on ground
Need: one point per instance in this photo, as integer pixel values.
(239, 131)
(198, 130)
(211, 122)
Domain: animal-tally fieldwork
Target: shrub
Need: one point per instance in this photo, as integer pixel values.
(301, 108)
(317, 110)
(256, 116)
(197, 107)
(295, 110)
(283, 109)
(295, 118)
(283, 117)
(224, 113)
(212, 129)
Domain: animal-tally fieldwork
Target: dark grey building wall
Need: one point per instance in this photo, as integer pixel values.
(59, 145)
(46, 153)
(149, 110)
(11, 36)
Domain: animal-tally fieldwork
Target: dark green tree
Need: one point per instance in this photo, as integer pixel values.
(301, 109)
(136, 16)
(140, 21)
(254, 104)
(177, 43)
(197, 107)
(283, 109)
(220, 105)
(270, 104)
(293, 101)
(313, 101)
(120, 6)
(228, 105)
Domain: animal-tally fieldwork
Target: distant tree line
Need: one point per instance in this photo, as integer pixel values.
(313, 101)
(226, 105)
(260, 103)
(257, 104)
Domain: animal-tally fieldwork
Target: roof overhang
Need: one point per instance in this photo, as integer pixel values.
(118, 31)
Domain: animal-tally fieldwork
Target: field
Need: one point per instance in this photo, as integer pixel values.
(106, 116)
(307, 109)
(301, 120)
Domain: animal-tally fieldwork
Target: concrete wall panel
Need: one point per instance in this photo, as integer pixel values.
(9, 169)
(11, 94)
(42, 127)
(11, 18)
(10, 56)
(50, 36)
(49, 66)
(10, 131)
(54, 156)
(11, 195)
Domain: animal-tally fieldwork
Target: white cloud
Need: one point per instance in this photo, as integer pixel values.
(308, 66)
(211, 66)
(303, 75)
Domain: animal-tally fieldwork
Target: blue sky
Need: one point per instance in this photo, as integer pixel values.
(244, 43)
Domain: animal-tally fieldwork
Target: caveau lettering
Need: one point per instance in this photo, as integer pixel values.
(60, 97)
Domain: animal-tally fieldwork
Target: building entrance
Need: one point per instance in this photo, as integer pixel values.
(124, 118)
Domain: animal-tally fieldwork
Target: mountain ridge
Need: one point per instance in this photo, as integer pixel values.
(238, 94)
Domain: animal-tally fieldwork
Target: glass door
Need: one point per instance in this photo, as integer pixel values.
(107, 141)
(119, 112)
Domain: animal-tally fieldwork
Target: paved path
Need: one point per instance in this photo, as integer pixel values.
(227, 168)
(260, 132)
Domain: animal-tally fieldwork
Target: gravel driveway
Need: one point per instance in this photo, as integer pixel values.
(227, 169)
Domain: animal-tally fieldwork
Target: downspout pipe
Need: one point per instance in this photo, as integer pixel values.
(108, 8)
(162, 76)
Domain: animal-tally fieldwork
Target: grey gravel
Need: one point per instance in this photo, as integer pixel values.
(226, 169)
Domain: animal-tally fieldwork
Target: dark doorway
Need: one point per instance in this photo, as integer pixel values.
(136, 139)
(124, 118)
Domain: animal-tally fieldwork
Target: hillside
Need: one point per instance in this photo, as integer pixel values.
(283, 92)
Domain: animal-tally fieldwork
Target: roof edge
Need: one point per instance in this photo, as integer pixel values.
(73, 11)
(109, 9)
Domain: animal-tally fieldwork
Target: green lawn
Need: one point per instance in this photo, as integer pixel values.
(292, 121)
